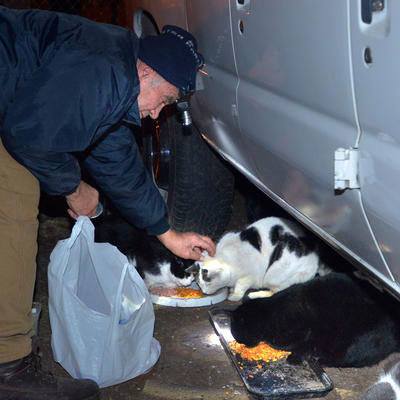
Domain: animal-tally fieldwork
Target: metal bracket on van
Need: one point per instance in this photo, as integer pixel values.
(346, 169)
(368, 7)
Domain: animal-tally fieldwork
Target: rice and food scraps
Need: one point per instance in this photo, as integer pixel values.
(179, 293)
(254, 360)
(260, 353)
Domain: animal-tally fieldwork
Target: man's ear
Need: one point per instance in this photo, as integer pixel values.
(144, 71)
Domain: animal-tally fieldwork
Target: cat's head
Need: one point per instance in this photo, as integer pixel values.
(244, 324)
(212, 274)
(180, 270)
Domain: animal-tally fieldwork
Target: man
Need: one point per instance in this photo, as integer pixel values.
(71, 87)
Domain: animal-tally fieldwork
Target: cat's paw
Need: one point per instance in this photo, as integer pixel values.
(260, 294)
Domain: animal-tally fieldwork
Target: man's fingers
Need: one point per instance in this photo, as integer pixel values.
(189, 245)
(197, 250)
(72, 214)
(207, 244)
(93, 212)
(195, 254)
(208, 240)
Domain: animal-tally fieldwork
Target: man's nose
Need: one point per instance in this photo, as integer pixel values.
(155, 113)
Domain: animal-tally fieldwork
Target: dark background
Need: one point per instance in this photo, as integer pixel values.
(109, 11)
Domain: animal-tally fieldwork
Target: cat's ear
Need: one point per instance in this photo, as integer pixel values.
(193, 269)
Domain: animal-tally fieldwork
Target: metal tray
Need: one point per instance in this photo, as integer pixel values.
(274, 380)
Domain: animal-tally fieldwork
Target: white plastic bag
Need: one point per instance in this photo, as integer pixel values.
(101, 314)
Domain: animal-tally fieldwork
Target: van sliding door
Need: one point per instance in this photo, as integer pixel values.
(296, 107)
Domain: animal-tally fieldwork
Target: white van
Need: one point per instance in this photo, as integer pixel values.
(301, 97)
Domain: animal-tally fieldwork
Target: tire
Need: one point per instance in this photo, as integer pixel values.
(197, 185)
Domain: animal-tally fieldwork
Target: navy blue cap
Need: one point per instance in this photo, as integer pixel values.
(173, 55)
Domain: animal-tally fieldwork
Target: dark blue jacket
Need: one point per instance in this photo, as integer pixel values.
(67, 86)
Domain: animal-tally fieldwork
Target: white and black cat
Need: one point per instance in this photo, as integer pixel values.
(271, 253)
(388, 385)
(154, 262)
(339, 320)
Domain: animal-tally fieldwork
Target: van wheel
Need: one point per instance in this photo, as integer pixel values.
(196, 184)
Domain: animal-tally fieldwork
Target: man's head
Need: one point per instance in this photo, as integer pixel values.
(155, 91)
(167, 68)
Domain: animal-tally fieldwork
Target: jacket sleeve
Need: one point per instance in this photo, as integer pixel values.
(59, 110)
(117, 167)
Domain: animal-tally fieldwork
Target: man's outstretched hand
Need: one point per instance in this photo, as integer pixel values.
(187, 245)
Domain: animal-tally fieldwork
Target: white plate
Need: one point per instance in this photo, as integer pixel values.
(207, 300)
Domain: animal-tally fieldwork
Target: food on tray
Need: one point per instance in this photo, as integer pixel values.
(181, 292)
(261, 352)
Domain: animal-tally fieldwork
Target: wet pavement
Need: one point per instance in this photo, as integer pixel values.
(192, 364)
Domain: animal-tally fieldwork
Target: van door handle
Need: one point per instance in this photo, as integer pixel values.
(243, 5)
(370, 6)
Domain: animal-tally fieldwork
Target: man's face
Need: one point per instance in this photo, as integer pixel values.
(155, 93)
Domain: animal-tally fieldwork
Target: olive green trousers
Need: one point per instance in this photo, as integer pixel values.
(19, 200)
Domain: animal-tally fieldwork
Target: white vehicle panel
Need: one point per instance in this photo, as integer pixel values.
(376, 63)
(214, 105)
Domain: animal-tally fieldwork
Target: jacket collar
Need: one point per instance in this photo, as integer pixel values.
(133, 116)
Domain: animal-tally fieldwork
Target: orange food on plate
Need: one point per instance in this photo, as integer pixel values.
(261, 352)
(181, 292)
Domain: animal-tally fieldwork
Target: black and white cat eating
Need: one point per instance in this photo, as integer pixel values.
(154, 262)
(271, 253)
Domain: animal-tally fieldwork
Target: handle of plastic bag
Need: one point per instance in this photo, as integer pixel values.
(82, 225)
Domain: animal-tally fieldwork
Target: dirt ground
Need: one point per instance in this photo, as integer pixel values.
(192, 364)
